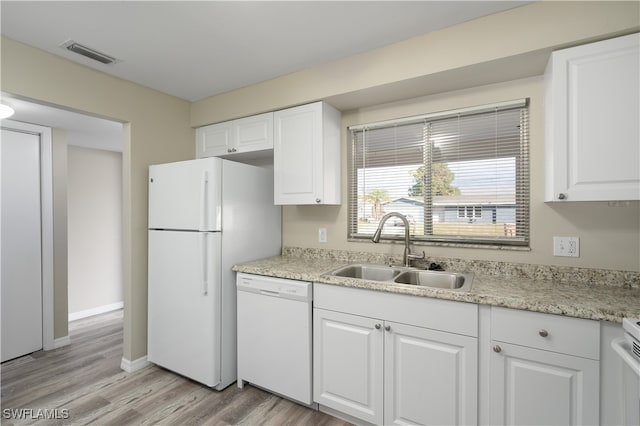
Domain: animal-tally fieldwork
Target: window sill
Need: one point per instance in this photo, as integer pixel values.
(484, 246)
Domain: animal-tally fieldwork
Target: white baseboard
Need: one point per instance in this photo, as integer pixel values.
(57, 343)
(95, 311)
(131, 366)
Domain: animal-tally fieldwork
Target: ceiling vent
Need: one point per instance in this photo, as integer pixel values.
(89, 52)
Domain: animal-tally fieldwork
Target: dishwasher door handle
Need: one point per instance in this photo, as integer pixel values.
(270, 293)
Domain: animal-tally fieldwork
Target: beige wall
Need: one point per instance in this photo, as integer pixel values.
(503, 47)
(609, 235)
(94, 212)
(496, 58)
(60, 241)
(156, 130)
(500, 47)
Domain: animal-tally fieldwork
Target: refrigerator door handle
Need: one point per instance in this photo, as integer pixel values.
(204, 202)
(205, 265)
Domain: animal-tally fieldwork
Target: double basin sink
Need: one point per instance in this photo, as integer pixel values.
(459, 281)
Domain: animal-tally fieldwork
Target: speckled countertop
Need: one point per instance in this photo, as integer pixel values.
(581, 293)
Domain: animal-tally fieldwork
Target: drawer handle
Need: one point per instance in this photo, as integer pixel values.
(378, 326)
(543, 333)
(497, 349)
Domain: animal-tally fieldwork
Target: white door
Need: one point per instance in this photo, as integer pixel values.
(531, 386)
(348, 364)
(184, 303)
(21, 278)
(185, 195)
(430, 377)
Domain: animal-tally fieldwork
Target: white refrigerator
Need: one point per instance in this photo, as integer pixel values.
(205, 216)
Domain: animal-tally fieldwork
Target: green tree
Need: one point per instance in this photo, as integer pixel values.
(377, 197)
(441, 179)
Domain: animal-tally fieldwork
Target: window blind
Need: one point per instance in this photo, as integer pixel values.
(459, 176)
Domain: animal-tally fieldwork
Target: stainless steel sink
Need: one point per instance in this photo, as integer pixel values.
(368, 272)
(459, 281)
(437, 279)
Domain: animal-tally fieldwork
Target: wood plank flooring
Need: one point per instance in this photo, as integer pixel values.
(83, 384)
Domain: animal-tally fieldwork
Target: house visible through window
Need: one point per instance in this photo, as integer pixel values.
(459, 176)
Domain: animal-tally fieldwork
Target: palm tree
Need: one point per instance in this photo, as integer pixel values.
(377, 197)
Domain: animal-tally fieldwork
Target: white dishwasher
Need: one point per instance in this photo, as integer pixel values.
(274, 335)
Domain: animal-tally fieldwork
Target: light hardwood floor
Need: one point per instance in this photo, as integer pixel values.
(84, 383)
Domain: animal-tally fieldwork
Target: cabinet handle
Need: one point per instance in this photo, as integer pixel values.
(318, 200)
(378, 326)
(562, 196)
(229, 150)
(387, 327)
(543, 333)
(497, 348)
(233, 150)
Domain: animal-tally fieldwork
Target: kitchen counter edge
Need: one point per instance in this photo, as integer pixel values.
(573, 299)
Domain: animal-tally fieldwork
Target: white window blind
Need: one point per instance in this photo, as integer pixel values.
(459, 176)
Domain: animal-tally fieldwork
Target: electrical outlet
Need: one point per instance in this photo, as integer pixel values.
(322, 235)
(566, 246)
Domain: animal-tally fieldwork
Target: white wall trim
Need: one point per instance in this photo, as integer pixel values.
(61, 341)
(131, 366)
(95, 311)
(46, 207)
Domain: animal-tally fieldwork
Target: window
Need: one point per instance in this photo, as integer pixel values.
(469, 212)
(459, 176)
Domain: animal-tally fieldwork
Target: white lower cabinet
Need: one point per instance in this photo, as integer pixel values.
(530, 386)
(383, 371)
(544, 369)
(348, 364)
(430, 377)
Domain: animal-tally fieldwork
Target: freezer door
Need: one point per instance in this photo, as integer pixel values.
(185, 195)
(184, 303)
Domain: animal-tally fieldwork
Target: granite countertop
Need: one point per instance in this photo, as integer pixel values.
(580, 299)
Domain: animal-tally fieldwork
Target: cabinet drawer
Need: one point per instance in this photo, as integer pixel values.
(549, 332)
(436, 314)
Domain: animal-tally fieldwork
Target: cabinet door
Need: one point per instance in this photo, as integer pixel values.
(592, 128)
(430, 377)
(253, 133)
(531, 386)
(214, 140)
(348, 365)
(297, 159)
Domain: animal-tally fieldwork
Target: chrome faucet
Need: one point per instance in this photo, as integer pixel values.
(407, 256)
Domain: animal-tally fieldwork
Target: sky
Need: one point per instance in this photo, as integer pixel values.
(470, 177)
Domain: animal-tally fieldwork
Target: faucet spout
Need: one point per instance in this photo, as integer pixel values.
(407, 256)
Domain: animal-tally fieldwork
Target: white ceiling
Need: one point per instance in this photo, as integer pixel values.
(197, 49)
(82, 130)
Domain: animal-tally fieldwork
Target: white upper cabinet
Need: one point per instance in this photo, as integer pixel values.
(214, 140)
(592, 134)
(253, 133)
(241, 136)
(306, 155)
